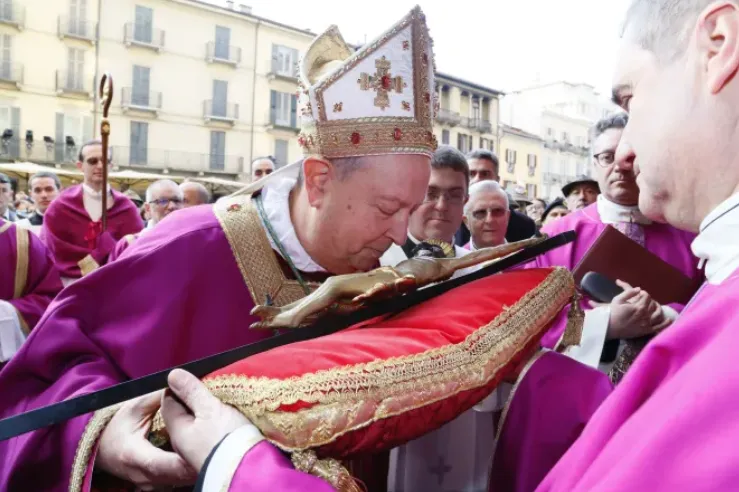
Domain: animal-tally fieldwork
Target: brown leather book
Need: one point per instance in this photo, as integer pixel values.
(619, 258)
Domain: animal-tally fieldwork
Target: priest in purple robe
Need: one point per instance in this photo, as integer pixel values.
(671, 424)
(163, 197)
(185, 290)
(72, 228)
(28, 284)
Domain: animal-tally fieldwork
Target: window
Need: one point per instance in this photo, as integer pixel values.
(281, 152)
(284, 60)
(550, 132)
(143, 30)
(139, 143)
(491, 145)
(218, 150)
(565, 136)
(445, 137)
(531, 190)
(75, 69)
(223, 43)
(220, 98)
(510, 156)
(78, 17)
(464, 142)
(71, 127)
(283, 109)
(141, 80)
(476, 108)
(531, 162)
(6, 57)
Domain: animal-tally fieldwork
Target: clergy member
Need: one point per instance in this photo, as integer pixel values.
(486, 215)
(72, 227)
(162, 198)
(28, 283)
(44, 188)
(194, 194)
(6, 199)
(366, 167)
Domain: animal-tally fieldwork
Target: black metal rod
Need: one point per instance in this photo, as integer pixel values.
(81, 405)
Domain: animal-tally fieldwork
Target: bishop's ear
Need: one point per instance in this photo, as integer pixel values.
(317, 175)
(718, 38)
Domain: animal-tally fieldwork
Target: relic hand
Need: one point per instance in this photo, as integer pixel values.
(126, 453)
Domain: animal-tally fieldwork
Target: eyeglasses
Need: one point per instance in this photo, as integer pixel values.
(605, 159)
(482, 213)
(453, 197)
(163, 202)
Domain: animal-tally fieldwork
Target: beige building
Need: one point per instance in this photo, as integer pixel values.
(468, 114)
(200, 89)
(520, 161)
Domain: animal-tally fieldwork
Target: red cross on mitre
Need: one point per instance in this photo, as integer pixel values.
(382, 82)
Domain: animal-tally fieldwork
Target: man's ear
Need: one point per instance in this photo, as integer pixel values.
(718, 38)
(318, 174)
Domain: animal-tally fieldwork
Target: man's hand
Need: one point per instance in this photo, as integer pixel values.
(634, 314)
(126, 453)
(195, 429)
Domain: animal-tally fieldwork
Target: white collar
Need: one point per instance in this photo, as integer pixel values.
(717, 245)
(98, 195)
(276, 201)
(475, 248)
(613, 213)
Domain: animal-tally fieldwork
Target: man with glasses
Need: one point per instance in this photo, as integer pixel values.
(486, 215)
(72, 229)
(162, 198)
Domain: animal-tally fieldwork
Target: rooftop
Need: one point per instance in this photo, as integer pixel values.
(465, 83)
(521, 133)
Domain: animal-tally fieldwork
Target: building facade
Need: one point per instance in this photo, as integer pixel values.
(520, 161)
(469, 114)
(199, 89)
(562, 114)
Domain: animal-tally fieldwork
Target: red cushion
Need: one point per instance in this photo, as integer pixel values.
(388, 381)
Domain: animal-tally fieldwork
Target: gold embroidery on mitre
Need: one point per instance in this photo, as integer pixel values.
(254, 254)
(382, 82)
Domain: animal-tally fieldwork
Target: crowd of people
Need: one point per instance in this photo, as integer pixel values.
(643, 399)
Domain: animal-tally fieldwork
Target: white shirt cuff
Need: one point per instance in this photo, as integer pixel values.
(594, 330)
(228, 456)
(11, 334)
(670, 313)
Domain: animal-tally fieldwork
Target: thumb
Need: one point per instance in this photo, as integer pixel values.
(191, 391)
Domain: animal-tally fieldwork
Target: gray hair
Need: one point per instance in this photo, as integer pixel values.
(487, 156)
(158, 185)
(447, 157)
(662, 26)
(46, 174)
(617, 121)
(203, 193)
(344, 166)
(485, 187)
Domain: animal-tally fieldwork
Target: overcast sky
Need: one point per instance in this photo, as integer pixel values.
(503, 44)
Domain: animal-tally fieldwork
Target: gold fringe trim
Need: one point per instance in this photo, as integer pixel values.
(89, 439)
(352, 397)
(572, 335)
(22, 245)
(87, 265)
(328, 469)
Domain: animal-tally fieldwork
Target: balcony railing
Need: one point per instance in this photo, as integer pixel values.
(144, 36)
(449, 117)
(566, 146)
(481, 126)
(278, 70)
(230, 55)
(220, 111)
(73, 83)
(176, 160)
(12, 13)
(11, 73)
(71, 27)
(141, 101)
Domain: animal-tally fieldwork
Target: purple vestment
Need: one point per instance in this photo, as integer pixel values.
(71, 236)
(39, 282)
(671, 424)
(176, 295)
(121, 246)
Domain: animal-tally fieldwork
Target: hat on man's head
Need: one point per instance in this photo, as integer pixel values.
(558, 203)
(567, 189)
(378, 100)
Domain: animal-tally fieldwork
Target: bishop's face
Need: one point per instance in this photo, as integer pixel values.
(364, 213)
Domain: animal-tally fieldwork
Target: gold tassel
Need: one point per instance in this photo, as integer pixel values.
(573, 331)
(328, 469)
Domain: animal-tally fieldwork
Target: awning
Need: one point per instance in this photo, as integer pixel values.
(28, 169)
(130, 177)
(216, 183)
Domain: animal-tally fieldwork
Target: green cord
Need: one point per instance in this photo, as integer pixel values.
(273, 235)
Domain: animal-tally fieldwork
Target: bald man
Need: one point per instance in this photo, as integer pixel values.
(162, 198)
(261, 167)
(194, 193)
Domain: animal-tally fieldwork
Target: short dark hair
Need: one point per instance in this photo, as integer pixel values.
(4, 179)
(618, 121)
(46, 174)
(485, 155)
(447, 157)
(94, 142)
(662, 26)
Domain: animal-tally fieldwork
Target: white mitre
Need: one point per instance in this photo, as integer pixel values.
(378, 100)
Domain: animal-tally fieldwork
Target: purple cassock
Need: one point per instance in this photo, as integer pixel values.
(78, 244)
(181, 292)
(121, 246)
(29, 280)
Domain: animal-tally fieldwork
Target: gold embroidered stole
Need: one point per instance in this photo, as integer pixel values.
(254, 254)
(22, 251)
